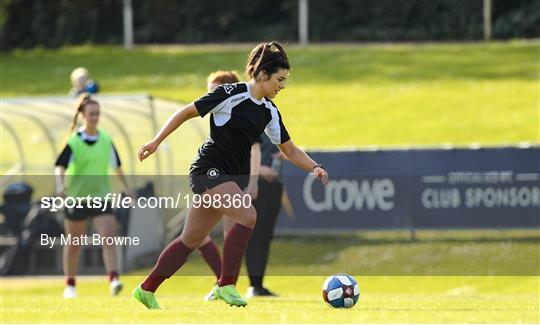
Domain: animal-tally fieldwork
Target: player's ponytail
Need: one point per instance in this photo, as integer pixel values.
(264, 58)
(84, 99)
(282, 52)
(254, 60)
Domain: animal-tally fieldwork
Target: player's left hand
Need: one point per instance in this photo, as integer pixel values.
(321, 174)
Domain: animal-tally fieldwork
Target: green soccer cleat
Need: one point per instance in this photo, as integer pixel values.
(146, 298)
(230, 295)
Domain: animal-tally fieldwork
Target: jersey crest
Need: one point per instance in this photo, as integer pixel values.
(229, 88)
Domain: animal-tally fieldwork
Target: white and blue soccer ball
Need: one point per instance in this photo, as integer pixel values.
(341, 291)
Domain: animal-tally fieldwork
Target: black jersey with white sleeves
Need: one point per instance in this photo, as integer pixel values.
(218, 98)
(237, 120)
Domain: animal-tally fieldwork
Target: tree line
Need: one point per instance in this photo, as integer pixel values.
(54, 23)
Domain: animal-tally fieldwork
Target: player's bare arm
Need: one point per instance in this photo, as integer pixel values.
(299, 158)
(180, 116)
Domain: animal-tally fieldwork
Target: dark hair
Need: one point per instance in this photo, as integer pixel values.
(264, 58)
(223, 77)
(82, 102)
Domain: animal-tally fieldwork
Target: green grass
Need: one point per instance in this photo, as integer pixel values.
(449, 252)
(382, 300)
(338, 95)
(388, 295)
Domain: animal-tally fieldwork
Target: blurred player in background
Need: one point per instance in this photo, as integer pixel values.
(268, 205)
(85, 162)
(208, 248)
(81, 82)
(266, 192)
(240, 113)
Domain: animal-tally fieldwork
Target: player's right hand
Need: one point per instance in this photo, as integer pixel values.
(147, 149)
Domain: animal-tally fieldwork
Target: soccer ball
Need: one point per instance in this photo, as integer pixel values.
(341, 291)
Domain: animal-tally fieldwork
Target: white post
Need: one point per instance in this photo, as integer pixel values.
(303, 20)
(487, 20)
(128, 25)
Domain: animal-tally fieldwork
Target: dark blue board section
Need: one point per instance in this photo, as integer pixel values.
(424, 188)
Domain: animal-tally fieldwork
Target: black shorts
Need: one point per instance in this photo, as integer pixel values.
(83, 213)
(202, 179)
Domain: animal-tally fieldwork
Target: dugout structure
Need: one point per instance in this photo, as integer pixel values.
(34, 128)
(33, 131)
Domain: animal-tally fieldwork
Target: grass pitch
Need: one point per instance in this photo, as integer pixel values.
(337, 95)
(382, 300)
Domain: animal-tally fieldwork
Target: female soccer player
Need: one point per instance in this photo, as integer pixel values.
(240, 113)
(85, 160)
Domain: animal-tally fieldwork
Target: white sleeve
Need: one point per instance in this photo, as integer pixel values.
(275, 129)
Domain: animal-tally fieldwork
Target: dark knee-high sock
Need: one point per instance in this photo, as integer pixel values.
(170, 260)
(113, 275)
(233, 251)
(210, 253)
(70, 281)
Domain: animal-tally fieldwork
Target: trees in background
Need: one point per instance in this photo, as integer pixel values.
(31, 23)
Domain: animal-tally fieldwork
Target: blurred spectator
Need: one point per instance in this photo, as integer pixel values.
(81, 82)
